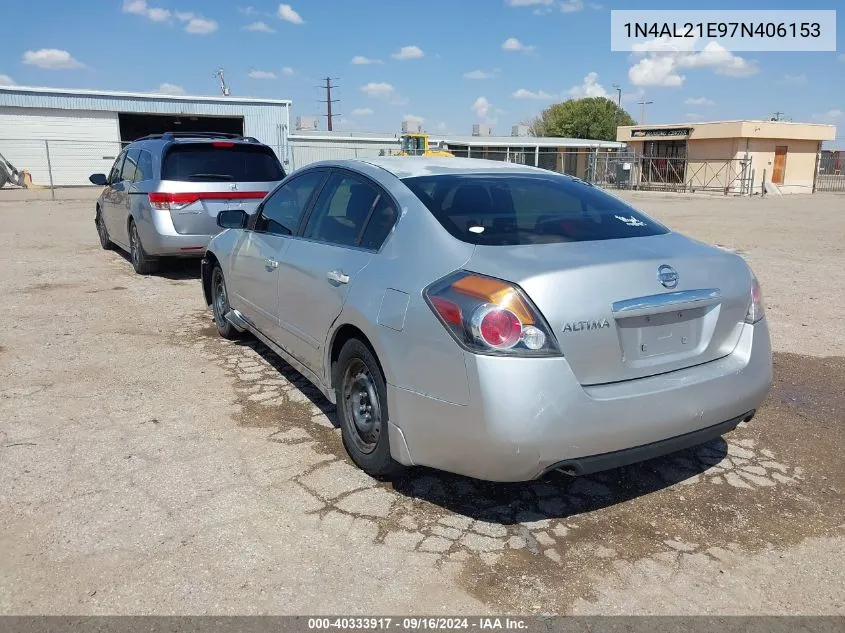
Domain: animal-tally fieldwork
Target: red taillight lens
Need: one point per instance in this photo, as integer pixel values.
(180, 200)
(498, 327)
(488, 315)
(222, 144)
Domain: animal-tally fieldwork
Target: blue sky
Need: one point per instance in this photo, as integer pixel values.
(451, 63)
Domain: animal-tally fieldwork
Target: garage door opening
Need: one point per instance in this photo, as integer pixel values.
(135, 126)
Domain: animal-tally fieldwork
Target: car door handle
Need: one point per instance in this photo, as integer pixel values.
(271, 264)
(337, 276)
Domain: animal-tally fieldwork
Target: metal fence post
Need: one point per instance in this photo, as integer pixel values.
(50, 170)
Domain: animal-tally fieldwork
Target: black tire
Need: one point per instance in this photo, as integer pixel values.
(220, 304)
(361, 396)
(141, 262)
(103, 232)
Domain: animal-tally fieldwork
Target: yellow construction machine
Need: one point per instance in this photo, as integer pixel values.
(416, 144)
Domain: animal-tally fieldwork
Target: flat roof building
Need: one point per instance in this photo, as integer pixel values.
(737, 156)
(62, 136)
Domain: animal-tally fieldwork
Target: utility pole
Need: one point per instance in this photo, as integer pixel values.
(221, 79)
(643, 104)
(619, 95)
(329, 101)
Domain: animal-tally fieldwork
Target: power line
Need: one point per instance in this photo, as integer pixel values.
(329, 101)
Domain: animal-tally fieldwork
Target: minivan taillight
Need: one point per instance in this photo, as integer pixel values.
(171, 201)
(490, 316)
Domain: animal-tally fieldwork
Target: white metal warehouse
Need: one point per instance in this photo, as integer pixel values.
(70, 134)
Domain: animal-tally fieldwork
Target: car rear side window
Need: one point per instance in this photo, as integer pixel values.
(144, 168)
(510, 209)
(350, 212)
(130, 165)
(221, 162)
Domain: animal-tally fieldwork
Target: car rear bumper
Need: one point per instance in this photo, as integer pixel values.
(160, 238)
(528, 416)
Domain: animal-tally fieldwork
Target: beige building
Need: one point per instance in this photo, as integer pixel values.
(733, 156)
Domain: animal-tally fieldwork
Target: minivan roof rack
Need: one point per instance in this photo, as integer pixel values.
(169, 136)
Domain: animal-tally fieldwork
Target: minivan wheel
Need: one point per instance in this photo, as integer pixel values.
(361, 396)
(220, 304)
(102, 231)
(141, 262)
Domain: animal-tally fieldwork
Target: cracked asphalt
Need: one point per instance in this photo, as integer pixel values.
(148, 466)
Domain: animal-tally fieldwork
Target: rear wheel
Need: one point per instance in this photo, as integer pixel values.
(102, 231)
(361, 396)
(220, 304)
(141, 262)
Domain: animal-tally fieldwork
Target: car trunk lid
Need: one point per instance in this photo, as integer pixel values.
(616, 309)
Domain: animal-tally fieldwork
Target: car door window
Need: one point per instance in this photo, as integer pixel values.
(282, 212)
(144, 168)
(114, 174)
(380, 224)
(342, 210)
(127, 174)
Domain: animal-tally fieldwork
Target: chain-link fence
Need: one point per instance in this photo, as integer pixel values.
(69, 163)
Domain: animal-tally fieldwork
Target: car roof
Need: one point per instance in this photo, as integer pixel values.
(411, 166)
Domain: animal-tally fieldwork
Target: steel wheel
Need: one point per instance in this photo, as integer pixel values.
(361, 406)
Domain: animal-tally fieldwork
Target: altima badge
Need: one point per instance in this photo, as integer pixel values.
(580, 326)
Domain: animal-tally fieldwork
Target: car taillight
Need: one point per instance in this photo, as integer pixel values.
(490, 316)
(175, 201)
(756, 309)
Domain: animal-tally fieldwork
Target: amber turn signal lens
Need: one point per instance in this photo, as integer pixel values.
(497, 292)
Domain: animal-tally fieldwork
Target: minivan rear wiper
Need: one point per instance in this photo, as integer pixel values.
(212, 176)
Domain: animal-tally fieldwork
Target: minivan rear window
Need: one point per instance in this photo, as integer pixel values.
(205, 162)
(493, 209)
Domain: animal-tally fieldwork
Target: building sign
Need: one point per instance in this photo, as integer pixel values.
(665, 132)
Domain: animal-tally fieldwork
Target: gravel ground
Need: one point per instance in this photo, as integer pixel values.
(149, 467)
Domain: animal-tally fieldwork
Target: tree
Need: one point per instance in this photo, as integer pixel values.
(590, 117)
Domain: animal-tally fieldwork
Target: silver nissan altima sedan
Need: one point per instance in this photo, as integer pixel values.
(491, 319)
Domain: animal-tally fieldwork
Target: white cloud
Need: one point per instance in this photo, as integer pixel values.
(831, 115)
(248, 10)
(408, 52)
(170, 89)
(699, 101)
(590, 87)
(571, 6)
(379, 90)
(481, 107)
(201, 26)
(666, 57)
(413, 118)
(262, 74)
(287, 70)
(522, 93)
(5, 80)
(360, 60)
(527, 3)
(261, 27)
(51, 58)
(795, 80)
(185, 16)
(515, 46)
(362, 112)
(287, 13)
(140, 7)
(481, 74)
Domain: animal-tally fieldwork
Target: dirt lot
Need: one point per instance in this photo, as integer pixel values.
(147, 466)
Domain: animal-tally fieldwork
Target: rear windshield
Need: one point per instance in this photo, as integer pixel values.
(494, 209)
(204, 162)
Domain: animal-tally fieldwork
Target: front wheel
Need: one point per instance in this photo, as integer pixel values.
(220, 304)
(102, 231)
(361, 396)
(141, 262)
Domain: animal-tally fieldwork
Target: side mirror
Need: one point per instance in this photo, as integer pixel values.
(232, 219)
(98, 179)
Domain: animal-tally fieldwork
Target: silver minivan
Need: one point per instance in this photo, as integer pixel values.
(164, 191)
